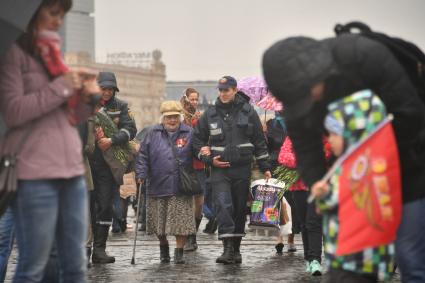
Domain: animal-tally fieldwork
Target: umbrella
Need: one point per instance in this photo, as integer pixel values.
(269, 102)
(254, 87)
(14, 18)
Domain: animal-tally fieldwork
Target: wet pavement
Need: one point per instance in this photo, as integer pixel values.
(260, 264)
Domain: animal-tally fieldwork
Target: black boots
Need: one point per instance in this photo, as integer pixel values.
(164, 253)
(279, 248)
(232, 251)
(211, 227)
(191, 244)
(228, 256)
(99, 245)
(237, 247)
(178, 256)
(88, 253)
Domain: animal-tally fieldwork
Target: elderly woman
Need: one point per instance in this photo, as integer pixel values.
(168, 212)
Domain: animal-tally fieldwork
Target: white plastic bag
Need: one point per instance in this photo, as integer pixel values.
(286, 229)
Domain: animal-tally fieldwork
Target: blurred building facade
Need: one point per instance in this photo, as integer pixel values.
(141, 76)
(77, 32)
(143, 88)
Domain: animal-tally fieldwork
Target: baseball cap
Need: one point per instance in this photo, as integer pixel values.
(227, 82)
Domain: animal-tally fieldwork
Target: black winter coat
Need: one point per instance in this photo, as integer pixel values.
(360, 63)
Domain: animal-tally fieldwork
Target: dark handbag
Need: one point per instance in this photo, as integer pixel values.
(189, 184)
(8, 176)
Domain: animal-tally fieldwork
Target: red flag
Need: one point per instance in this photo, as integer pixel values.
(369, 193)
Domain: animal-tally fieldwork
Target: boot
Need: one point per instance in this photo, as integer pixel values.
(279, 248)
(164, 253)
(190, 244)
(214, 226)
(207, 227)
(237, 246)
(228, 256)
(211, 227)
(178, 256)
(99, 245)
(123, 225)
(198, 223)
(88, 252)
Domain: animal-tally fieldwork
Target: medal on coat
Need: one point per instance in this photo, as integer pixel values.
(181, 142)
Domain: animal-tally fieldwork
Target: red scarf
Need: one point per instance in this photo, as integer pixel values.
(48, 44)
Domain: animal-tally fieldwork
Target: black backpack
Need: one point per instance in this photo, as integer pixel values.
(407, 53)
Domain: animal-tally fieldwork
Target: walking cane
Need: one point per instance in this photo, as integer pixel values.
(137, 223)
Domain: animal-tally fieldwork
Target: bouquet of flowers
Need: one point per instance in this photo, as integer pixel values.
(118, 157)
(286, 175)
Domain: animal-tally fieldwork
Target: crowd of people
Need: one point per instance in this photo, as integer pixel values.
(75, 140)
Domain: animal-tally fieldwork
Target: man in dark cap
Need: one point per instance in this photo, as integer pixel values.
(105, 186)
(306, 75)
(233, 132)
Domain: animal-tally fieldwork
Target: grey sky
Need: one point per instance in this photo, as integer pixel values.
(203, 39)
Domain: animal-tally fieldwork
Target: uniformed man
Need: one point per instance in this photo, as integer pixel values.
(233, 132)
(105, 186)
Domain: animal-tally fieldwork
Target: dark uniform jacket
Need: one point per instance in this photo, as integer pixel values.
(234, 132)
(357, 63)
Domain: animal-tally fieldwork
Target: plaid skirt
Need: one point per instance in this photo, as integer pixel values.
(172, 216)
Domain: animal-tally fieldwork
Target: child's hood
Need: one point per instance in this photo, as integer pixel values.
(355, 116)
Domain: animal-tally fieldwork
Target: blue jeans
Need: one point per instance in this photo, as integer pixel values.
(46, 211)
(7, 228)
(206, 188)
(410, 242)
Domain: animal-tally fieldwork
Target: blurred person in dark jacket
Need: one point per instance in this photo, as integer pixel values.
(307, 75)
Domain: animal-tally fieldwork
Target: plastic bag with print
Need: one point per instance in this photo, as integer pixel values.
(269, 209)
